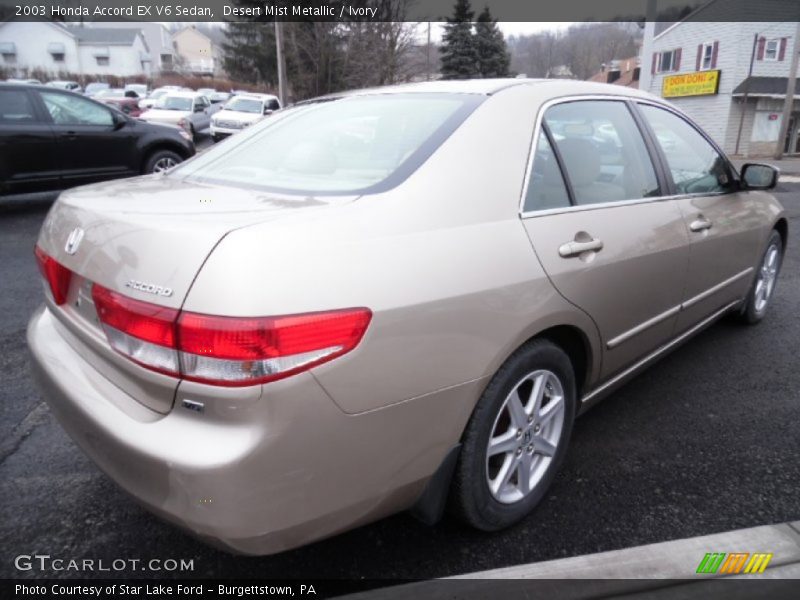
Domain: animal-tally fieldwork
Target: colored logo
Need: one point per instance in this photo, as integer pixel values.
(733, 563)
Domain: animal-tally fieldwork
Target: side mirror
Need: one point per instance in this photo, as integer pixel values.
(119, 120)
(267, 111)
(758, 176)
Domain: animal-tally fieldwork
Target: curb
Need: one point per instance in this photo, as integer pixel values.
(661, 570)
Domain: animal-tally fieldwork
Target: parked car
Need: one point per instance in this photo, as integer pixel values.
(219, 97)
(125, 100)
(28, 81)
(157, 93)
(393, 299)
(92, 89)
(240, 112)
(207, 92)
(72, 86)
(52, 139)
(189, 110)
(139, 88)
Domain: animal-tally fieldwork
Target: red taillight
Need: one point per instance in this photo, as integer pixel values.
(227, 351)
(57, 275)
(241, 351)
(145, 321)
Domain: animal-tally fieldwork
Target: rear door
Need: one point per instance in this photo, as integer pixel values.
(27, 145)
(722, 222)
(201, 117)
(91, 147)
(607, 238)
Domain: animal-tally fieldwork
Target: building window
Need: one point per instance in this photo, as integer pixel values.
(668, 61)
(166, 60)
(58, 57)
(10, 59)
(102, 61)
(707, 57)
(771, 50)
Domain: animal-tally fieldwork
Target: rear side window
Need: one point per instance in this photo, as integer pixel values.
(16, 107)
(358, 144)
(603, 151)
(696, 167)
(546, 187)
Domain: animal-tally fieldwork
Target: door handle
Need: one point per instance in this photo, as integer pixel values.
(576, 248)
(700, 224)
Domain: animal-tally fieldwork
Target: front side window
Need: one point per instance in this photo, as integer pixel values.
(357, 144)
(603, 152)
(74, 110)
(546, 187)
(695, 165)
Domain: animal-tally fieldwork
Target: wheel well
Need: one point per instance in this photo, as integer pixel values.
(573, 341)
(162, 146)
(782, 227)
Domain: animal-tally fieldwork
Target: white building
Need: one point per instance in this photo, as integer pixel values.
(55, 48)
(158, 39)
(702, 64)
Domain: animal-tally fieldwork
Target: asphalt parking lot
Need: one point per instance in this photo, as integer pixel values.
(706, 441)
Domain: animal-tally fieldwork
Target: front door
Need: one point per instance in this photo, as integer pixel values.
(90, 145)
(609, 242)
(722, 223)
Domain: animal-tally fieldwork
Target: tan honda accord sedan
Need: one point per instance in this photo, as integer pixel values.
(391, 299)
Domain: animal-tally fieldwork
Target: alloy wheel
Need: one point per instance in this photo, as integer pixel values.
(767, 275)
(162, 164)
(525, 436)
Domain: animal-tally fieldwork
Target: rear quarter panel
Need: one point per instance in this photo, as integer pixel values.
(442, 260)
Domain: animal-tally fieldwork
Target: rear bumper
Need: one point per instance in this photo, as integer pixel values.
(257, 475)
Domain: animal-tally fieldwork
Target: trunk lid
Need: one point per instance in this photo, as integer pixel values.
(145, 238)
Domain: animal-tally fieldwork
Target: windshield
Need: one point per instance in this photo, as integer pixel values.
(248, 105)
(174, 103)
(158, 94)
(352, 145)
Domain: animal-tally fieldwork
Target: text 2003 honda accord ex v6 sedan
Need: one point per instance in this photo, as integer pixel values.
(390, 299)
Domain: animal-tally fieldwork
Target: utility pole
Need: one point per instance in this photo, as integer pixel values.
(428, 55)
(746, 93)
(788, 102)
(281, 62)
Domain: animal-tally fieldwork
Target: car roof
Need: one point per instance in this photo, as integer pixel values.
(182, 94)
(257, 96)
(488, 87)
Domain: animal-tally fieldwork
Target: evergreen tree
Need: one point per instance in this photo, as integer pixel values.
(493, 58)
(249, 51)
(459, 56)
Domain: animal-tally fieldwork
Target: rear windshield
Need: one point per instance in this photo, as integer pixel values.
(358, 144)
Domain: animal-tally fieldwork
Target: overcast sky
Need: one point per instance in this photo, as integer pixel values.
(508, 28)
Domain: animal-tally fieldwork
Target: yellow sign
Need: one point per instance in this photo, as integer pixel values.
(700, 83)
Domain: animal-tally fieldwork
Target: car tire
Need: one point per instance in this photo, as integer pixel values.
(161, 160)
(763, 288)
(476, 498)
(192, 132)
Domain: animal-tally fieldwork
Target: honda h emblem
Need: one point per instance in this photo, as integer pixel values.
(74, 240)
